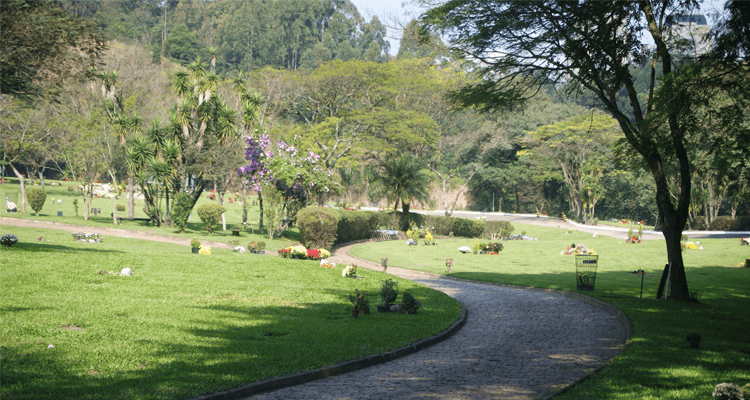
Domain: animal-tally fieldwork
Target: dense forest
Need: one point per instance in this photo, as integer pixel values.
(178, 84)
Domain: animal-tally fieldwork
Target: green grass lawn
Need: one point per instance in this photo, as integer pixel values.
(194, 228)
(185, 324)
(659, 363)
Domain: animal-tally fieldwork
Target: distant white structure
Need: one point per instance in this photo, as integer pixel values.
(688, 34)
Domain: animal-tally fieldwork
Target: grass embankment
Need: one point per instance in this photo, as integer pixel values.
(185, 324)
(659, 363)
(194, 230)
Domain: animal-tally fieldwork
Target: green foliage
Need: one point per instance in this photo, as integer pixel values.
(494, 227)
(40, 39)
(317, 227)
(388, 292)
(210, 214)
(182, 205)
(195, 243)
(182, 45)
(36, 198)
(120, 207)
(357, 225)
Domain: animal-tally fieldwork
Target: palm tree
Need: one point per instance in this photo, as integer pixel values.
(181, 83)
(402, 176)
(212, 56)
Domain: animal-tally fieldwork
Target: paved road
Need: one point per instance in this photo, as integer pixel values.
(516, 344)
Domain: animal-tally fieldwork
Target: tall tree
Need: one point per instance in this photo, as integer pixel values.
(523, 45)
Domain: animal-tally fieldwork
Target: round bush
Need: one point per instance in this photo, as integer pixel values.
(210, 214)
(317, 227)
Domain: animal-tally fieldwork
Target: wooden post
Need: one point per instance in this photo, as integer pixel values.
(448, 263)
(384, 263)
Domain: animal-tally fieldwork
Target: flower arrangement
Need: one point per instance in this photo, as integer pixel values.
(324, 253)
(239, 249)
(350, 272)
(204, 250)
(8, 240)
(578, 250)
(285, 253)
(464, 249)
(745, 242)
(87, 237)
(494, 248)
(324, 263)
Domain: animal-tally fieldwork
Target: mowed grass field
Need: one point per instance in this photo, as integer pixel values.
(184, 324)
(658, 364)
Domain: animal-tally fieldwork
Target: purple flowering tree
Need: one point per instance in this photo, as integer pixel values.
(285, 177)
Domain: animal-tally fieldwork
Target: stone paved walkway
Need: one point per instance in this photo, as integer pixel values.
(516, 344)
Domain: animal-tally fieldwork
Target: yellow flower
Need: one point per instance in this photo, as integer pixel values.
(204, 250)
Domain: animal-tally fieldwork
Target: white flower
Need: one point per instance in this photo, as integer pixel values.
(50, 346)
(464, 249)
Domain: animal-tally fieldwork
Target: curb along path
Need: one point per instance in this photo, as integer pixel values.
(516, 344)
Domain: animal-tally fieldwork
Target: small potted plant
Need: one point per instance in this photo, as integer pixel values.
(196, 245)
(388, 293)
(360, 302)
(260, 248)
(483, 248)
(409, 304)
(252, 247)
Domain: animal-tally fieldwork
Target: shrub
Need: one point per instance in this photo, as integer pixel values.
(260, 246)
(70, 188)
(195, 243)
(317, 227)
(120, 207)
(181, 207)
(210, 214)
(727, 223)
(36, 198)
(492, 227)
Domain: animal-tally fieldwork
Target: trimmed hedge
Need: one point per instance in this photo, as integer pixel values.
(358, 225)
(317, 227)
(723, 223)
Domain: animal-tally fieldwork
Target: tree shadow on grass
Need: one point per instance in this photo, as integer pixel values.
(236, 341)
(40, 247)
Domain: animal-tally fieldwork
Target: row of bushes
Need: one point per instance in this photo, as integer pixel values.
(323, 227)
(723, 223)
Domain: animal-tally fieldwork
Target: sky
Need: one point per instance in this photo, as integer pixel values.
(395, 12)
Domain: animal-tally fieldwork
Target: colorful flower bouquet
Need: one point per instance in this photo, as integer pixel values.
(301, 253)
(578, 250)
(204, 250)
